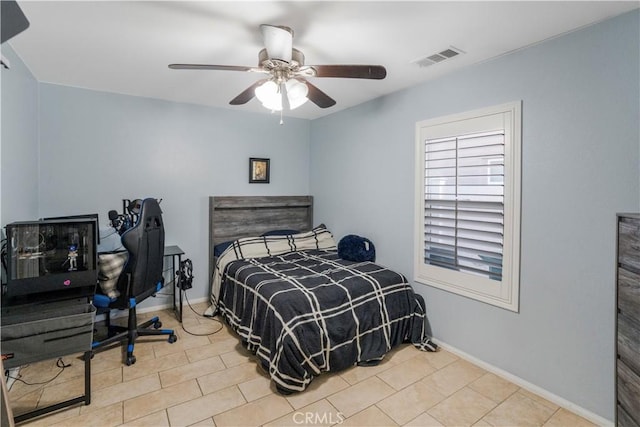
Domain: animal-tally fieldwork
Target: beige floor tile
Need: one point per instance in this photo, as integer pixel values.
(371, 417)
(204, 407)
(318, 414)
(214, 349)
(424, 420)
(190, 371)
(104, 417)
(564, 418)
(160, 399)
(228, 377)
(321, 387)
(356, 374)
(121, 392)
(254, 413)
(520, 410)
(463, 408)
(184, 343)
(454, 376)
(156, 365)
(439, 359)
(106, 378)
(360, 396)
(204, 423)
(494, 387)
(237, 357)
(407, 372)
(539, 399)
(148, 367)
(410, 402)
(256, 388)
(402, 352)
(157, 419)
(100, 363)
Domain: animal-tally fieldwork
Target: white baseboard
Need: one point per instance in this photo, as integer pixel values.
(594, 418)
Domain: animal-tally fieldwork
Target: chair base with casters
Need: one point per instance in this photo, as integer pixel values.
(130, 332)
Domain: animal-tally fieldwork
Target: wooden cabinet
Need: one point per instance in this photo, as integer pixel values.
(628, 323)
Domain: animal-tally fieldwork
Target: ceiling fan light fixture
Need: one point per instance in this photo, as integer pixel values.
(296, 93)
(269, 95)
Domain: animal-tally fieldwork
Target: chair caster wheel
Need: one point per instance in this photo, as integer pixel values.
(130, 360)
(157, 325)
(172, 338)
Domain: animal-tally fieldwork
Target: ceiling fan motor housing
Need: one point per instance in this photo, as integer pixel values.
(296, 56)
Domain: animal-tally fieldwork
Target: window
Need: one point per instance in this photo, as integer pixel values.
(468, 204)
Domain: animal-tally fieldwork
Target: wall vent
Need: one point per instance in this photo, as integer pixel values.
(448, 53)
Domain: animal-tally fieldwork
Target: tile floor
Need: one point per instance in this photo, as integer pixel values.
(212, 381)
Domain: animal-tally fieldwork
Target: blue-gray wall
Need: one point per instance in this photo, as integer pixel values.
(19, 176)
(581, 165)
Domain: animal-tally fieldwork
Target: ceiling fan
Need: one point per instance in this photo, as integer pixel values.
(286, 84)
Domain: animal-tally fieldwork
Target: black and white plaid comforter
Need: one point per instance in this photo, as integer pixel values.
(309, 311)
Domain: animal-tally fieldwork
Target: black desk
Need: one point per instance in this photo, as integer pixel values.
(176, 258)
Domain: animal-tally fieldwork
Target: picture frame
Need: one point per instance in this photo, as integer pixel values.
(259, 170)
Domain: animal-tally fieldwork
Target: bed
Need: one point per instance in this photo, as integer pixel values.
(301, 309)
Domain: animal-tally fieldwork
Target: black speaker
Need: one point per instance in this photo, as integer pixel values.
(13, 20)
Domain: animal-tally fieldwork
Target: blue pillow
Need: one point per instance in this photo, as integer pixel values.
(284, 232)
(355, 248)
(221, 247)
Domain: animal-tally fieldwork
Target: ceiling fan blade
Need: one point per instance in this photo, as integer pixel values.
(318, 97)
(247, 94)
(278, 41)
(210, 67)
(376, 72)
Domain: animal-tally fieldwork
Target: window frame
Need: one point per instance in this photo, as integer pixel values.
(504, 293)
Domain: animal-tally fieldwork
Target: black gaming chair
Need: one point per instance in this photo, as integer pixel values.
(140, 278)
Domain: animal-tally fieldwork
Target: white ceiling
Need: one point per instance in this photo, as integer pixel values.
(125, 46)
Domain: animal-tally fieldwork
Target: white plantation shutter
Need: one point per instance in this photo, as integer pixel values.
(464, 203)
(467, 218)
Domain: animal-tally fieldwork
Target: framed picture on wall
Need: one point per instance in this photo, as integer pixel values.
(258, 171)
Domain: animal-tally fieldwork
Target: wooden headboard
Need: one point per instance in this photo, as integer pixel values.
(234, 217)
